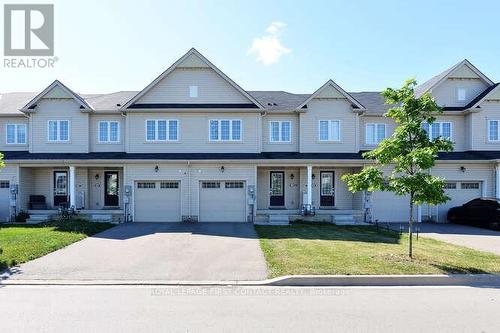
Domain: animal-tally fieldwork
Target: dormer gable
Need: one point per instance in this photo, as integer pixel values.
(193, 82)
(331, 90)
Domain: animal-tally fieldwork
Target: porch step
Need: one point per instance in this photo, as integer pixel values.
(278, 220)
(101, 217)
(37, 218)
(345, 219)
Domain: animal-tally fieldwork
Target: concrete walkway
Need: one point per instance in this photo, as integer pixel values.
(155, 251)
(475, 238)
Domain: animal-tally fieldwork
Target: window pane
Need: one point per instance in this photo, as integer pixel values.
(52, 130)
(285, 131)
(172, 130)
(151, 128)
(224, 129)
(335, 130)
(21, 133)
(162, 130)
(493, 130)
(11, 133)
(380, 132)
(323, 130)
(113, 129)
(103, 131)
(446, 130)
(275, 131)
(425, 126)
(236, 132)
(435, 130)
(63, 130)
(370, 134)
(214, 130)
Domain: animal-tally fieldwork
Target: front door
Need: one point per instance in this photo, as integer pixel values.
(277, 189)
(111, 188)
(327, 189)
(60, 188)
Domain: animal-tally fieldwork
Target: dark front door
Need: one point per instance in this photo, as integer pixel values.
(277, 189)
(111, 188)
(327, 189)
(60, 188)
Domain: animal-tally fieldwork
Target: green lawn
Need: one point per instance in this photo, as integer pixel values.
(329, 249)
(21, 243)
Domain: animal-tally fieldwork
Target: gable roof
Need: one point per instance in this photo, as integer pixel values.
(29, 107)
(187, 58)
(436, 80)
(330, 83)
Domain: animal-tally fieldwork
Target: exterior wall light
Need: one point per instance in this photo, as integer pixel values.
(463, 169)
(157, 168)
(222, 169)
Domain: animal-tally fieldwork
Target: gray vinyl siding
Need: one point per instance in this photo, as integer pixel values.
(212, 88)
(390, 125)
(458, 130)
(446, 93)
(190, 177)
(331, 109)
(267, 145)
(193, 133)
(95, 145)
(59, 109)
(489, 111)
(3, 133)
(473, 172)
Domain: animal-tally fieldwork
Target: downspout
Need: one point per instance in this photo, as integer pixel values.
(189, 190)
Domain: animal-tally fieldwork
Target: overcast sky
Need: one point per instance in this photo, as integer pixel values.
(106, 46)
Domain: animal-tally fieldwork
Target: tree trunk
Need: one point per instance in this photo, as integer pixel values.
(410, 230)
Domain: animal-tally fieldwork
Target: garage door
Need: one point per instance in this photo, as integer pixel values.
(4, 200)
(388, 207)
(222, 201)
(460, 193)
(157, 201)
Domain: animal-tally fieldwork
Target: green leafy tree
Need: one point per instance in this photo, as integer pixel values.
(409, 152)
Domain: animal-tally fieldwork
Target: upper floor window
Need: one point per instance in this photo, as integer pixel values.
(58, 130)
(329, 130)
(162, 130)
(225, 130)
(16, 134)
(279, 131)
(438, 129)
(109, 131)
(193, 91)
(493, 134)
(375, 133)
(461, 94)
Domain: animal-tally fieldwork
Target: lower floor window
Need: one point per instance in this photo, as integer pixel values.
(4, 184)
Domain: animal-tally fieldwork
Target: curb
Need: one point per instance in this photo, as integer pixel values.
(483, 280)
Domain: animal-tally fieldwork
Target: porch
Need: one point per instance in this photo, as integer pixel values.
(283, 193)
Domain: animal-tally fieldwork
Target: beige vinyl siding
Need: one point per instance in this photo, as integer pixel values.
(267, 145)
(3, 133)
(490, 110)
(473, 172)
(458, 130)
(193, 133)
(174, 88)
(328, 109)
(95, 145)
(59, 109)
(190, 177)
(292, 187)
(390, 125)
(468, 132)
(446, 93)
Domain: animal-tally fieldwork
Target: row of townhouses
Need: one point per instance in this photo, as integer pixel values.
(193, 145)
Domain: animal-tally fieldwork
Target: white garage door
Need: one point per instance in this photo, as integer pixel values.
(388, 207)
(222, 201)
(4, 200)
(157, 201)
(460, 193)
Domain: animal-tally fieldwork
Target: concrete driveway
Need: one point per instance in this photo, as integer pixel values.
(156, 251)
(463, 235)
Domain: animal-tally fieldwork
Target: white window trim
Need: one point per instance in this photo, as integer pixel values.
(366, 133)
(109, 131)
(488, 131)
(280, 122)
(16, 141)
(441, 129)
(58, 132)
(219, 132)
(156, 130)
(458, 94)
(329, 130)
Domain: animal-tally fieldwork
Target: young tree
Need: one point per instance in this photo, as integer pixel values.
(409, 151)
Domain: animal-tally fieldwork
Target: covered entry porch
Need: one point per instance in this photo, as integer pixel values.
(307, 192)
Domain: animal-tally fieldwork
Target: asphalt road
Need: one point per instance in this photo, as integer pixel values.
(248, 309)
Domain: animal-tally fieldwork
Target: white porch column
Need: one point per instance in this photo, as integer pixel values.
(497, 181)
(309, 185)
(72, 187)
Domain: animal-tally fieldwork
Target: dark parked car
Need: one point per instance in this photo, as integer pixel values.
(480, 212)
